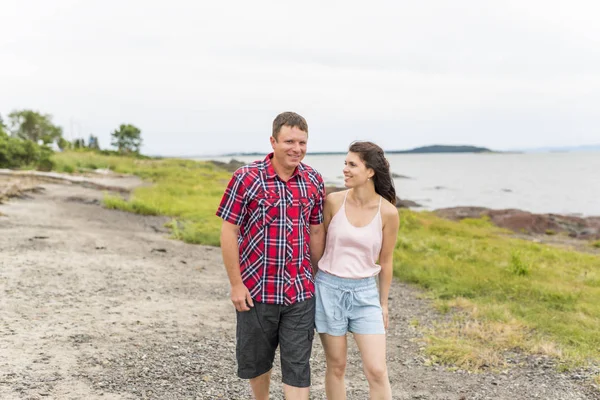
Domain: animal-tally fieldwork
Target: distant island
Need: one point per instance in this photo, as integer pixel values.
(436, 148)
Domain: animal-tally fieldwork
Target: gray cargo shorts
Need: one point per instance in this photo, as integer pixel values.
(259, 332)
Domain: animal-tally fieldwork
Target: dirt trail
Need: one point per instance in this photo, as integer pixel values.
(101, 304)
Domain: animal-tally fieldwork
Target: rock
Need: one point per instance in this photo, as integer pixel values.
(398, 176)
(406, 203)
(231, 166)
(525, 222)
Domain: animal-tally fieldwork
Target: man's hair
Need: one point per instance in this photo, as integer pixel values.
(290, 119)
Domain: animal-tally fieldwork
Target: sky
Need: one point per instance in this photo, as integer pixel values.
(209, 77)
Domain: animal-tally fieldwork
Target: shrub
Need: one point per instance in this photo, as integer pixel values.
(18, 153)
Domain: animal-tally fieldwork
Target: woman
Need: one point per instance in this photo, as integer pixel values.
(362, 227)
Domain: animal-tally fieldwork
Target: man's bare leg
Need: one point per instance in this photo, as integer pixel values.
(260, 386)
(295, 393)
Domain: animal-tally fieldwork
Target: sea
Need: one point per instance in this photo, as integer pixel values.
(562, 183)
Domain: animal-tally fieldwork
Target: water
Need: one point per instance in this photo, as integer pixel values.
(561, 183)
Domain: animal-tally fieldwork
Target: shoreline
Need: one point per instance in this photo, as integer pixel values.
(471, 183)
(518, 221)
(21, 183)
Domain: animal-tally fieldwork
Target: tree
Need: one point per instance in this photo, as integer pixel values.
(93, 142)
(63, 144)
(127, 139)
(2, 128)
(19, 153)
(31, 125)
(78, 143)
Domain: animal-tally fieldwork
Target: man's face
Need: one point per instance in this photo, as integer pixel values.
(290, 147)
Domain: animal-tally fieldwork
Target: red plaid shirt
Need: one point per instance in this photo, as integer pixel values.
(274, 219)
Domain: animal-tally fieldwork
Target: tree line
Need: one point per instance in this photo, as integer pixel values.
(28, 137)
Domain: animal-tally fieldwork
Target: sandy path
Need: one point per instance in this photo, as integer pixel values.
(101, 304)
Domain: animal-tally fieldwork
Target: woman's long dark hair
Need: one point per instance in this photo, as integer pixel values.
(373, 157)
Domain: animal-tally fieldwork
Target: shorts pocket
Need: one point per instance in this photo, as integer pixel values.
(368, 297)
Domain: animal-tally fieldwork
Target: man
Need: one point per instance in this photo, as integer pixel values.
(272, 228)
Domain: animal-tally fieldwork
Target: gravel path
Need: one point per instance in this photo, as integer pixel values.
(101, 304)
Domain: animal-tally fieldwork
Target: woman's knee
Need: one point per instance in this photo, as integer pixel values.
(376, 373)
(337, 367)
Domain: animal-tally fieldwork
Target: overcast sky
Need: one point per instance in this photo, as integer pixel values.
(208, 77)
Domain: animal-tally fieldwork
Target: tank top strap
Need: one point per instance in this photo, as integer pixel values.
(345, 197)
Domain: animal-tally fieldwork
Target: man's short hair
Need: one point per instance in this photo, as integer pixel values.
(290, 119)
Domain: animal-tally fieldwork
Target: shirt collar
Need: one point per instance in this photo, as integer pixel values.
(270, 171)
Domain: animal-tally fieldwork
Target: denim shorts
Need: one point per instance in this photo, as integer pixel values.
(347, 305)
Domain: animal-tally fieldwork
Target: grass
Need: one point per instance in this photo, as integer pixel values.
(507, 293)
(186, 190)
(501, 294)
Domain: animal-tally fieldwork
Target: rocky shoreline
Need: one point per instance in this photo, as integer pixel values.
(520, 221)
(19, 183)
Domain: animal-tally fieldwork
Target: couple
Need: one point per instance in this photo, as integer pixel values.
(278, 233)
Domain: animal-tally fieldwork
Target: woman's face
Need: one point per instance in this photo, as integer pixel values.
(356, 172)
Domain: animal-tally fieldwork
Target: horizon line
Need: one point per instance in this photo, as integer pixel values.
(541, 149)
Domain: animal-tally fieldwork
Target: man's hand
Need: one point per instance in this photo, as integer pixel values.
(240, 297)
(384, 311)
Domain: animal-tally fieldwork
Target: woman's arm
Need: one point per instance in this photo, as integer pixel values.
(391, 225)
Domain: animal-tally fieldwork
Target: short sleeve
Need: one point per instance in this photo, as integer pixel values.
(233, 206)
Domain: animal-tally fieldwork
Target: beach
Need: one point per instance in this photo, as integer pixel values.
(103, 304)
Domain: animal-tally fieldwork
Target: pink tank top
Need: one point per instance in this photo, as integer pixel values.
(352, 252)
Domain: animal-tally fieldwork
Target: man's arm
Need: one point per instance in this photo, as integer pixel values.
(318, 219)
(240, 296)
(317, 245)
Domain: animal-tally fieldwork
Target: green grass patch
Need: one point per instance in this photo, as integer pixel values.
(548, 298)
(186, 190)
(596, 244)
(84, 161)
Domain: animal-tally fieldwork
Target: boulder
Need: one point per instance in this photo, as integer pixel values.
(525, 222)
(231, 166)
